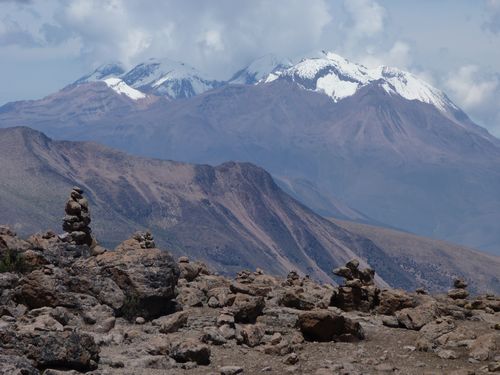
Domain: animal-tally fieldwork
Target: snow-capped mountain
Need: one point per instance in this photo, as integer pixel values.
(169, 78)
(323, 72)
(339, 78)
(381, 140)
(260, 69)
(120, 87)
(161, 77)
(103, 72)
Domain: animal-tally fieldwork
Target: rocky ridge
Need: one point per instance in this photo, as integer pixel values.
(67, 307)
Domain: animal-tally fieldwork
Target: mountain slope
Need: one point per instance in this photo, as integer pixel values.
(414, 162)
(421, 256)
(230, 216)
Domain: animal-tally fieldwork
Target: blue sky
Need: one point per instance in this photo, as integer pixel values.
(453, 44)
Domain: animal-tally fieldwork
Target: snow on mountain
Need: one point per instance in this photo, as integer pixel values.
(103, 72)
(324, 72)
(339, 78)
(260, 69)
(167, 77)
(120, 87)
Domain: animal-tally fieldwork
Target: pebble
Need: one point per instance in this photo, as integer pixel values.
(231, 370)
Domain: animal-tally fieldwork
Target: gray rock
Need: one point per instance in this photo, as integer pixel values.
(16, 365)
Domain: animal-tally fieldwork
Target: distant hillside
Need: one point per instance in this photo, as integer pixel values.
(230, 216)
(430, 261)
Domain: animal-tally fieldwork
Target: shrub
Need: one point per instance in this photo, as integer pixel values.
(131, 307)
(12, 261)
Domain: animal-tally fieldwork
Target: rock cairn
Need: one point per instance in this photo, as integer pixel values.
(359, 291)
(459, 291)
(77, 219)
(145, 239)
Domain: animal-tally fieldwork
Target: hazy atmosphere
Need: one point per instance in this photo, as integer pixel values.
(453, 44)
(248, 187)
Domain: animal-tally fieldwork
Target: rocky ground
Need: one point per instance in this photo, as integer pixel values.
(67, 308)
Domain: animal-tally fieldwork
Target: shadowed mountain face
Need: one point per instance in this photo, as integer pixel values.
(396, 161)
(230, 216)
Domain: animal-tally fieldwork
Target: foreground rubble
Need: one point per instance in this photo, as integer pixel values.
(67, 307)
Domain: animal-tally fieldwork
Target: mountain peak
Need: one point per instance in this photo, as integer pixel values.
(113, 69)
(168, 77)
(339, 78)
(259, 69)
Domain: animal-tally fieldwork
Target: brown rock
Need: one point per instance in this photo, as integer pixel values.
(392, 300)
(324, 325)
(416, 317)
(485, 347)
(250, 334)
(191, 350)
(247, 308)
(173, 322)
(458, 293)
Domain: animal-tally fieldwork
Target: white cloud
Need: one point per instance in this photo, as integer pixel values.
(367, 17)
(217, 36)
(399, 55)
(469, 88)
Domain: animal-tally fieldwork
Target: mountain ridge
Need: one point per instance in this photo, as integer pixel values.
(404, 163)
(231, 216)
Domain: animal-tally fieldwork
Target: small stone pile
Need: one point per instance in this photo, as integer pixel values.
(77, 219)
(145, 240)
(459, 291)
(359, 291)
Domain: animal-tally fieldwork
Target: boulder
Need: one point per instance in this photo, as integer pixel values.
(231, 370)
(416, 317)
(485, 347)
(45, 287)
(173, 322)
(297, 299)
(191, 270)
(325, 325)
(250, 334)
(191, 350)
(67, 349)
(16, 365)
(247, 308)
(212, 335)
(392, 300)
(430, 333)
(146, 276)
(189, 296)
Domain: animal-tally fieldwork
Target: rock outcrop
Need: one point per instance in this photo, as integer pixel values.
(65, 310)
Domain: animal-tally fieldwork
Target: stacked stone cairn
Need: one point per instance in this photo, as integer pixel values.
(77, 219)
(459, 291)
(358, 291)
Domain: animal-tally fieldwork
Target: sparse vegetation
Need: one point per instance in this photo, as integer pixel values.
(12, 261)
(131, 307)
